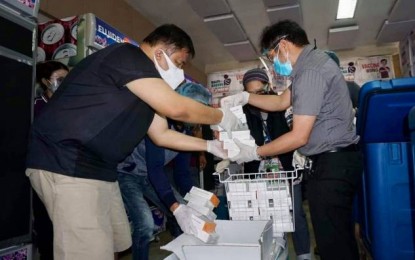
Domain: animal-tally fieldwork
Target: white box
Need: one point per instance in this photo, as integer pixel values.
(257, 186)
(237, 110)
(241, 134)
(275, 194)
(246, 204)
(230, 144)
(199, 201)
(237, 186)
(205, 195)
(242, 240)
(241, 196)
(240, 212)
(202, 210)
(283, 227)
(278, 216)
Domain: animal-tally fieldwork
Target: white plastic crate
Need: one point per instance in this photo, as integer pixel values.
(261, 196)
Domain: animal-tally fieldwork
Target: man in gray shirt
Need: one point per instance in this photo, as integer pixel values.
(322, 130)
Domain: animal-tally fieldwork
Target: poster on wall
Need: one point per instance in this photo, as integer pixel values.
(225, 83)
(362, 70)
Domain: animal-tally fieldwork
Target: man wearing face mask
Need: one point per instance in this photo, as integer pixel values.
(104, 107)
(322, 130)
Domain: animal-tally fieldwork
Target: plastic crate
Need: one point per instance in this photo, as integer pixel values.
(261, 196)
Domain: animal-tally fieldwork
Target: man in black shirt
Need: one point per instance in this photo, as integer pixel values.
(101, 111)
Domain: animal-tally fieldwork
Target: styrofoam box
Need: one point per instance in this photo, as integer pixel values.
(242, 240)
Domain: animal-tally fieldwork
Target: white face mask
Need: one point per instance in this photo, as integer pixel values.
(53, 86)
(173, 75)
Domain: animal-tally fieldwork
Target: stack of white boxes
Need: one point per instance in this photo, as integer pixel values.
(203, 202)
(256, 200)
(244, 136)
(261, 200)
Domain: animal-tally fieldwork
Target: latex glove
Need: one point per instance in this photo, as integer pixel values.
(183, 215)
(298, 159)
(235, 100)
(215, 147)
(229, 121)
(246, 154)
(222, 165)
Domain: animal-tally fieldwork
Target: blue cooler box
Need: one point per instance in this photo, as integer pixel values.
(387, 198)
(412, 130)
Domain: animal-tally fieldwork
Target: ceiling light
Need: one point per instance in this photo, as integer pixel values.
(346, 9)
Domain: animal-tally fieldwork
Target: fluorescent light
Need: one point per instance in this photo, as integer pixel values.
(346, 9)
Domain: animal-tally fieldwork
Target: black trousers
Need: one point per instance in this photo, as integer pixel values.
(332, 185)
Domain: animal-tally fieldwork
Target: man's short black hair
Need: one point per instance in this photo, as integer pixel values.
(286, 29)
(171, 34)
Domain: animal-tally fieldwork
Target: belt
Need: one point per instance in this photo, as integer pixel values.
(350, 148)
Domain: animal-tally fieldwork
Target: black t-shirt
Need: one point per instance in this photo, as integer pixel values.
(93, 121)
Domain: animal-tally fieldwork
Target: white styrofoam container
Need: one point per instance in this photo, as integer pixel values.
(242, 240)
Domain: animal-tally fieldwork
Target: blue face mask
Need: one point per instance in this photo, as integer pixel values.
(283, 69)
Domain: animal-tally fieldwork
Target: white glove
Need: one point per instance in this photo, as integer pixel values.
(235, 100)
(247, 153)
(229, 121)
(215, 147)
(222, 165)
(298, 159)
(183, 215)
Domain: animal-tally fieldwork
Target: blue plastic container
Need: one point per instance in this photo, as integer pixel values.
(411, 121)
(387, 198)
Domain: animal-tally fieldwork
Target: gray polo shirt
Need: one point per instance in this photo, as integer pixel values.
(319, 89)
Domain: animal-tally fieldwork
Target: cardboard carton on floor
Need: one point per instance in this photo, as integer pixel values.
(242, 240)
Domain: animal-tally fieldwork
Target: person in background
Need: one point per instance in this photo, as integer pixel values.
(322, 130)
(354, 97)
(141, 176)
(49, 75)
(351, 85)
(265, 127)
(105, 106)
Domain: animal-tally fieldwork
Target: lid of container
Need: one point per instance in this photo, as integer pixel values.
(383, 110)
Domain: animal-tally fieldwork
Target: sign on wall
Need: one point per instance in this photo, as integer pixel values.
(362, 70)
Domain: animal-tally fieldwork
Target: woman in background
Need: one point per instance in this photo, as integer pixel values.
(49, 76)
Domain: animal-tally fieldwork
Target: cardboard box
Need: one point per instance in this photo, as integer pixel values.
(242, 240)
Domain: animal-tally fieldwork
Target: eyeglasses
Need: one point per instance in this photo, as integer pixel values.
(261, 91)
(266, 52)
